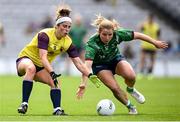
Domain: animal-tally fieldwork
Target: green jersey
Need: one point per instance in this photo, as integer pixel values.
(77, 34)
(99, 52)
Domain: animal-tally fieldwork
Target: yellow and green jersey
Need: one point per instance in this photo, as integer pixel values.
(47, 40)
(151, 30)
(99, 52)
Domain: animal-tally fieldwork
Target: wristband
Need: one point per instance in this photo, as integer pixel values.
(51, 73)
(90, 75)
(82, 87)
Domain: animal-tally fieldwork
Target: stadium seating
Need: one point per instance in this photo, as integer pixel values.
(15, 16)
(170, 8)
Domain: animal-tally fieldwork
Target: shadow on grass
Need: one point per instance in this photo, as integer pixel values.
(50, 115)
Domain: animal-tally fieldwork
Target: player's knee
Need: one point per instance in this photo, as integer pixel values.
(131, 78)
(52, 85)
(31, 70)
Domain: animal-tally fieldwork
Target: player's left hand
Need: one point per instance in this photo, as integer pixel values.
(54, 76)
(161, 44)
(80, 91)
(95, 80)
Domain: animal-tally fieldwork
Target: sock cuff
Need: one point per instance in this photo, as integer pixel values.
(28, 81)
(130, 89)
(129, 104)
(55, 89)
(24, 103)
(57, 108)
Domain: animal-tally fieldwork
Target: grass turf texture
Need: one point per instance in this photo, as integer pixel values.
(162, 101)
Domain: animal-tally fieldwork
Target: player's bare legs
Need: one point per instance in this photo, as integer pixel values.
(26, 67)
(108, 79)
(55, 93)
(125, 70)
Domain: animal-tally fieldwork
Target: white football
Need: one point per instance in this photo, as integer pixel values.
(105, 107)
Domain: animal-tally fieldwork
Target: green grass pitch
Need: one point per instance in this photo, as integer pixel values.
(162, 101)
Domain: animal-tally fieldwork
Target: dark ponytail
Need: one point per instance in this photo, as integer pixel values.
(63, 11)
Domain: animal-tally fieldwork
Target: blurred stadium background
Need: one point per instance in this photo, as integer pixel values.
(16, 15)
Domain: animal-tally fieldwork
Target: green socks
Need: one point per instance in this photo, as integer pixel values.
(129, 105)
(130, 89)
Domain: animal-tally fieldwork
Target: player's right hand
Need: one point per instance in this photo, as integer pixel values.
(95, 80)
(54, 76)
(80, 91)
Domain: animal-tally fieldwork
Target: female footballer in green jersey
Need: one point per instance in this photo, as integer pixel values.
(34, 60)
(104, 58)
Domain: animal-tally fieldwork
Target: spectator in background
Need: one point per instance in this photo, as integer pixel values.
(113, 3)
(2, 39)
(129, 54)
(150, 28)
(78, 33)
(31, 28)
(178, 45)
(47, 22)
(167, 54)
(34, 26)
(99, 1)
(170, 48)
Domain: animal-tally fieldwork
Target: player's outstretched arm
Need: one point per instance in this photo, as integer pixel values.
(93, 78)
(157, 43)
(82, 87)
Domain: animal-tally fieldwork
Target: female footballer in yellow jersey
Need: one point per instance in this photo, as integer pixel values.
(149, 51)
(34, 61)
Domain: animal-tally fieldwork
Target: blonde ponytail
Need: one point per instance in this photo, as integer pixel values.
(101, 22)
(98, 20)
